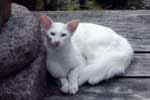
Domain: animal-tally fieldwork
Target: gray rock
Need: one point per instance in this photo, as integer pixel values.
(28, 84)
(5, 9)
(18, 10)
(20, 40)
(27, 3)
(22, 58)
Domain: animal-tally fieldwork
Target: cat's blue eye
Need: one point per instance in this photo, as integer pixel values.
(63, 34)
(52, 33)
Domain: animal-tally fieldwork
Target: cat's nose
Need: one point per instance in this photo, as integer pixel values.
(57, 43)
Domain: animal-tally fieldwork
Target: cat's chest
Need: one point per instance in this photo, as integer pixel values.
(64, 59)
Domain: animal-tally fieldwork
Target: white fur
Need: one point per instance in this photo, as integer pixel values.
(95, 53)
(107, 53)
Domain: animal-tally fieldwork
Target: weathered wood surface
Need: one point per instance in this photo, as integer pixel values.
(5, 8)
(115, 89)
(134, 85)
(140, 66)
(134, 25)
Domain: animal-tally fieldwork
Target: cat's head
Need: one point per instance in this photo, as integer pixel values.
(59, 34)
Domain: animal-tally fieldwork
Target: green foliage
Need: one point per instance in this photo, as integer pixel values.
(95, 5)
(39, 5)
(90, 5)
(73, 6)
(102, 1)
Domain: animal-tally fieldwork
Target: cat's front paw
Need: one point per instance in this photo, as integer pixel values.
(65, 88)
(73, 88)
(94, 80)
(64, 85)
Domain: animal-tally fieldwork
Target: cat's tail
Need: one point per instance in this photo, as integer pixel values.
(114, 61)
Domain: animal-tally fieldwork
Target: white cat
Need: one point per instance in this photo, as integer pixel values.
(83, 52)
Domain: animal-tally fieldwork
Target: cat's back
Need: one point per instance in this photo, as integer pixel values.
(92, 32)
(88, 34)
(88, 28)
(91, 38)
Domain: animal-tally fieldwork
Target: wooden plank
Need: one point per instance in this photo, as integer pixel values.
(115, 89)
(134, 25)
(140, 66)
(5, 8)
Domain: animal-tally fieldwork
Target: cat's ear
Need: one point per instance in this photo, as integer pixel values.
(46, 22)
(72, 25)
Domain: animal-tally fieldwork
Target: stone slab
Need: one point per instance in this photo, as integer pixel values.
(28, 84)
(20, 40)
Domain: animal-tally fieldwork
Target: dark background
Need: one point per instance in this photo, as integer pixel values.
(55, 5)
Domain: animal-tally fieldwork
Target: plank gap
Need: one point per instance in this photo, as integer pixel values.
(141, 52)
(133, 77)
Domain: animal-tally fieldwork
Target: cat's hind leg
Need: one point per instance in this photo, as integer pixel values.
(91, 74)
(104, 73)
(105, 67)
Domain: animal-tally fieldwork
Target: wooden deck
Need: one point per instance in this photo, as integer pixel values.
(135, 84)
